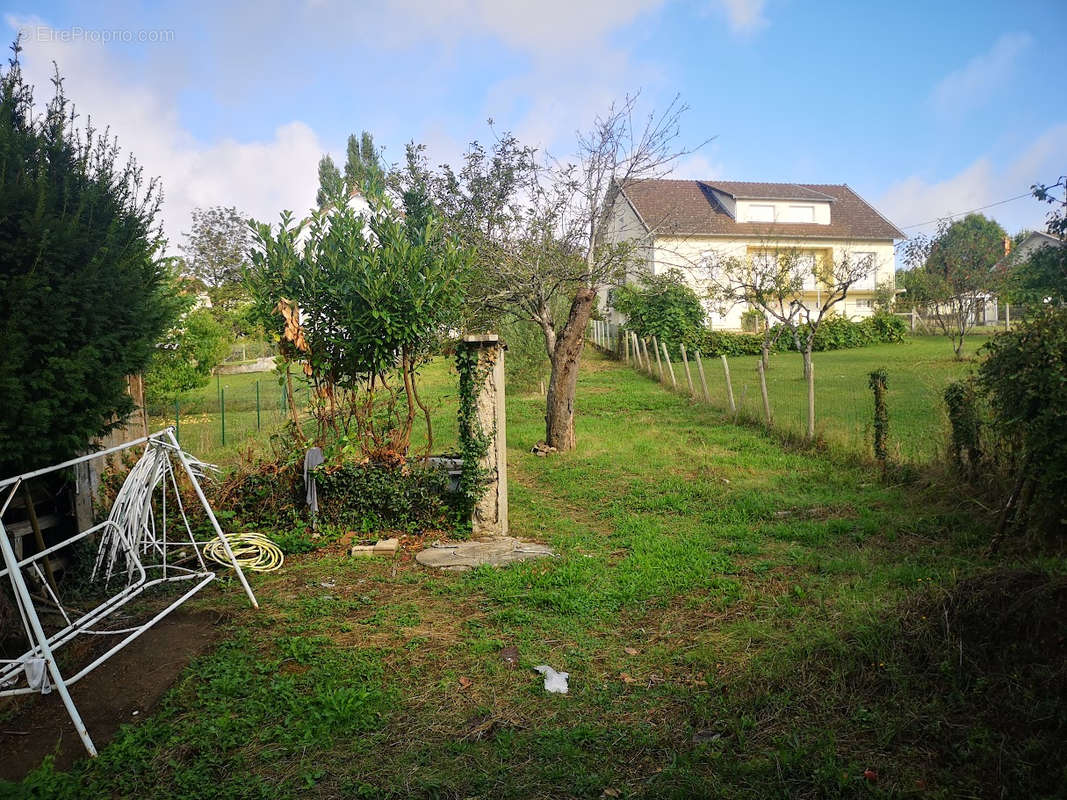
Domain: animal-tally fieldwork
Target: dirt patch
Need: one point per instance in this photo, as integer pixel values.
(134, 680)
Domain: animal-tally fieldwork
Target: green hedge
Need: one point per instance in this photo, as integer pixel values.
(835, 333)
(370, 497)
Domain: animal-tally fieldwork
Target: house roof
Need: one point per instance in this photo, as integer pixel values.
(690, 207)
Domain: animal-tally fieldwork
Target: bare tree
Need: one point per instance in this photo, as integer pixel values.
(795, 288)
(541, 228)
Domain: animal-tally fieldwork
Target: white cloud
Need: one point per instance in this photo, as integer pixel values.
(914, 199)
(973, 84)
(744, 16)
(698, 167)
(260, 177)
(537, 26)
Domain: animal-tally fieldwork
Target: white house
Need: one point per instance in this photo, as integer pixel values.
(683, 224)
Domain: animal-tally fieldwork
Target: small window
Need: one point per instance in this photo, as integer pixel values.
(864, 304)
(760, 213)
(800, 214)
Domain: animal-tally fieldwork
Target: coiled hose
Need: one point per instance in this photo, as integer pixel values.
(253, 551)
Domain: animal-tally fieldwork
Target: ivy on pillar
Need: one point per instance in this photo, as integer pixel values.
(482, 433)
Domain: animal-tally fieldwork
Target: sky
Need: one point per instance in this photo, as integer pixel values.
(925, 109)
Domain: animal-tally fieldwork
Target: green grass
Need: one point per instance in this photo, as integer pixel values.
(919, 369)
(729, 610)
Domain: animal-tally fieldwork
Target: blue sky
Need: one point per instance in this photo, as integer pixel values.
(924, 108)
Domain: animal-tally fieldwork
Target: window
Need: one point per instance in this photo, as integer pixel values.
(760, 213)
(805, 267)
(868, 261)
(800, 214)
(864, 304)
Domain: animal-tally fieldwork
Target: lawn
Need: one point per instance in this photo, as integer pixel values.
(918, 369)
(918, 372)
(738, 620)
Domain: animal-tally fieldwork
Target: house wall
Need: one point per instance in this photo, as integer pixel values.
(687, 254)
(624, 226)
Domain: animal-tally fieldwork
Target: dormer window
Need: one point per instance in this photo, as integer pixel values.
(758, 212)
(795, 213)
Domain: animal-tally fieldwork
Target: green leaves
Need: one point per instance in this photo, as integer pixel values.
(85, 293)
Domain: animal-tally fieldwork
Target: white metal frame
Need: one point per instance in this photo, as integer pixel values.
(125, 536)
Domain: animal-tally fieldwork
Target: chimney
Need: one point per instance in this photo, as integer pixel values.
(1007, 245)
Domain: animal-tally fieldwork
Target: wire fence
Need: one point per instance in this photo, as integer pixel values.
(844, 401)
(231, 411)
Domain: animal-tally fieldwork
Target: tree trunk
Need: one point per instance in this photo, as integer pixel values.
(562, 384)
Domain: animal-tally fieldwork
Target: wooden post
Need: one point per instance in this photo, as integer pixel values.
(637, 351)
(729, 385)
(703, 380)
(659, 363)
(670, 367)
(811, 402)
(763, 391)
(688, 374)
(626, 348)
(1007, 316)
(38, 537)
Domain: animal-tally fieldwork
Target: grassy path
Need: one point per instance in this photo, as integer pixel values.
(725, 609)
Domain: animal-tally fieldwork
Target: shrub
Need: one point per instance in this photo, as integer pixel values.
(835, 333)
(887, 327)
(727, 343)
(1024, 378)
(373, 497)
(664, 307)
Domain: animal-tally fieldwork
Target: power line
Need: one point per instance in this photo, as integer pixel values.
(971, 211)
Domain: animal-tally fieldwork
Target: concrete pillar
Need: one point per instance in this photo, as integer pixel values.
(490, 517)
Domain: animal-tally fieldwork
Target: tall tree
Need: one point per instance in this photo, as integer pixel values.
(1042, 277)
(86, 296)
(541, 228)
(364, 170)
(331, 183)
(216, 253)
(952, 274)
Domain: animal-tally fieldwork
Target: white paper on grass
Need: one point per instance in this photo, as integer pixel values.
(555, 682)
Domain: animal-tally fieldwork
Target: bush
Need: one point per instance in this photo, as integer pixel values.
(1024, 377)
(727, 343)
(374, 497)
(664, 307)
(835, 333)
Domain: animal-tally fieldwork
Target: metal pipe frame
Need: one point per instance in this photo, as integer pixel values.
(43, 645)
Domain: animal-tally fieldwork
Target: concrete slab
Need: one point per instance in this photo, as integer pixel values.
(496, 551)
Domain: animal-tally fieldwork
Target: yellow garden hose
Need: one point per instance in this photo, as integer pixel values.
(253, 551)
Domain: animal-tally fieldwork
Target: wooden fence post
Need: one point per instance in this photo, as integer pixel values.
(670, 367)
(703, 380)
(688, 374)
(625, 348)
(811, 401)
(763, 391)
(729, 385)
(659, 363)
